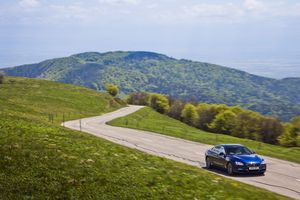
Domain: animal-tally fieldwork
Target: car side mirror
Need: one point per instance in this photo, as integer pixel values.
(253, 152)
(222, 154)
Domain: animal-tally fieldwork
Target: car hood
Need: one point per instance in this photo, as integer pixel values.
(248, 158)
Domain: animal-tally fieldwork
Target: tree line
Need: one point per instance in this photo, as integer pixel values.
(223, 119)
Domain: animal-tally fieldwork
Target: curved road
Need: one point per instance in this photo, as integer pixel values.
(282, 177)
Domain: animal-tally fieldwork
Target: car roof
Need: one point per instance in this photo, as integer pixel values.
(231, 145)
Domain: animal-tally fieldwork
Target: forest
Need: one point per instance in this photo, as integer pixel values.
(184, 79)
(223, 119)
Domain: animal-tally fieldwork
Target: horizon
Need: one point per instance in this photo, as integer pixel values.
(258, 37)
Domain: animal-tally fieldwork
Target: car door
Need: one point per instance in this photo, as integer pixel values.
(214, 155)
(221, 159)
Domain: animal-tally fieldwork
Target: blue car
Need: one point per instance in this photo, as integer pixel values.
(235, 158)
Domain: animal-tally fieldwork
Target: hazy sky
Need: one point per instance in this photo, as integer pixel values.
(260, 37)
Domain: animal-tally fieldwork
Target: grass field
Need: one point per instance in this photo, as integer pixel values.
(42, 160)
(146, 119)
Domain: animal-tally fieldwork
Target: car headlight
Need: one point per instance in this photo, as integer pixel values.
(239, 163)
(263, 162)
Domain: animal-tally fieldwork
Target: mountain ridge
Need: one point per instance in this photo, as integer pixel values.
(139, 71)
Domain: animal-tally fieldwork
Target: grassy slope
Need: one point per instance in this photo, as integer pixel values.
(41, 160)
(152, 121)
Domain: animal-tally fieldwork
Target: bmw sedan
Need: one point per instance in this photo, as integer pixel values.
(235, 158)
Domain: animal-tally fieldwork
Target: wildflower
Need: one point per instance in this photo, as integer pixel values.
(82, 162)
(96, 154)
(17, 146)
(53, 145)
(73, 157)
(90, 161)
(116, 155)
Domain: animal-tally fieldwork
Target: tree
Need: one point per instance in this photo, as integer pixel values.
(1, 78)
(246, 126)
(159, 102)
(176, 109)
(286, 139)
(270, 129)
(206, 116)
(189, 114)
(291, 135)
(224, 122)
(112, 89)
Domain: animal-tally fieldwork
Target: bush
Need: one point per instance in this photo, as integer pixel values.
(112, 89)
(190, 115)
(1, 78)
(141, 98)
(159, 103)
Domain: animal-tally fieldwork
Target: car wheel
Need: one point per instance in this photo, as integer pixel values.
(229, 169)
(208, 163)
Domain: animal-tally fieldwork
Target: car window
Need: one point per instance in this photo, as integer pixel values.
(222, 150)
(216, 149)
(238, 151)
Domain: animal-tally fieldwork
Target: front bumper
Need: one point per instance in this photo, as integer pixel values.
(245, 169)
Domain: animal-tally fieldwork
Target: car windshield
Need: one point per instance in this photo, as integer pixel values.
(238, 151)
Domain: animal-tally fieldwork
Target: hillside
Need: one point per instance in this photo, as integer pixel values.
(43, 160)
(152, 72)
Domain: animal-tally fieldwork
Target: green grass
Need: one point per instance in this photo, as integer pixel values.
(146, 119)
(42, 160)
(38, 99)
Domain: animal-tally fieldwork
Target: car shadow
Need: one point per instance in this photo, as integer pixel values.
(223, 172)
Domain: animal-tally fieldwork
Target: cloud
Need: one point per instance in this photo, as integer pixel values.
(232, 12)
(152, 6)
(29, 3)
(120, 2)
(210, 10)
(75, 12)
(167, 11)
(252, 4)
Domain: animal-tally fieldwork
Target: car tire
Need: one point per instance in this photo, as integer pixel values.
(229, 168)
(208, 163)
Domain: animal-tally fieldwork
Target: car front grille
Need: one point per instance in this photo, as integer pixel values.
(253, 165)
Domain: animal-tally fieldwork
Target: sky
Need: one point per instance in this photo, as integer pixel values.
(261, 37)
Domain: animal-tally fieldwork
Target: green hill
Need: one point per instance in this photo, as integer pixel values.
(157, 73)
(39, 159)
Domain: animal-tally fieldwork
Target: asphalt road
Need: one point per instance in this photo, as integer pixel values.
(282, 177)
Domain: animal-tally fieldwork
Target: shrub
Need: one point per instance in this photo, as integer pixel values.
(159, 103)
(1, 78)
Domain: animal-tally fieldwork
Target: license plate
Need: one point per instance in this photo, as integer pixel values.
(253, 168)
